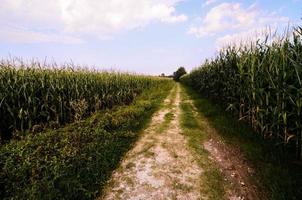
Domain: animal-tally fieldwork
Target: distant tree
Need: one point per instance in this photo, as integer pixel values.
(163, 75)
(180, 71)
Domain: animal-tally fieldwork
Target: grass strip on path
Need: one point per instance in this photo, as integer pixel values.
(213, 184)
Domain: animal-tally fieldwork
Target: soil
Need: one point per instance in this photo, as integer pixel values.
(233, 165)
(235, 168)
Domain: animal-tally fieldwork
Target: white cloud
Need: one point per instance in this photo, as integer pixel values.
(234, 21)
(209, 2)
(20, 35)
(33, 12)
(106, 17)
(100, 18)
(245, 37)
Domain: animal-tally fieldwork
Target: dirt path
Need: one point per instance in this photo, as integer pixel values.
(161, 165)
(232, 164)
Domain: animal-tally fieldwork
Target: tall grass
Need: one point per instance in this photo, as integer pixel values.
(260, 83)
(36, 94)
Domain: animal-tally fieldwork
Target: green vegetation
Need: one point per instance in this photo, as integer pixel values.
(281, 181)
(261, 84)
(211, 179)
(34, 96)
(179, 72)
(75, 162)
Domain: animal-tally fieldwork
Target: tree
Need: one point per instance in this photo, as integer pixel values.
(180, 71)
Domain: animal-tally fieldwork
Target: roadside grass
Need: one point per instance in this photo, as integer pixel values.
(213, 185)
(76, 161)
(280, 180)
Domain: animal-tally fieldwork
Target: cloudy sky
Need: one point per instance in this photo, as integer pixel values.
(144, 36)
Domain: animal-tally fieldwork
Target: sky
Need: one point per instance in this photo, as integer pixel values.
(142, 36)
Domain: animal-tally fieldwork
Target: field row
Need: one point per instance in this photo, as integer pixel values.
(73, 162)
(260, 84)
(34, 96)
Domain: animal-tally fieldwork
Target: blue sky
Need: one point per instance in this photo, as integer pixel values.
(143, 36)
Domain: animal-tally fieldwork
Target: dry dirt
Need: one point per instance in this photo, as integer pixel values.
(232, 164)
(235, 168)
(162, 166)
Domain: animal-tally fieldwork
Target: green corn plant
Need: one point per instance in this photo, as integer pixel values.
(38, 93)
(260, 83)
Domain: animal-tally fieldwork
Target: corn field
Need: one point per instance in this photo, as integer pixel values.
(35, 95)
(261, 84)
